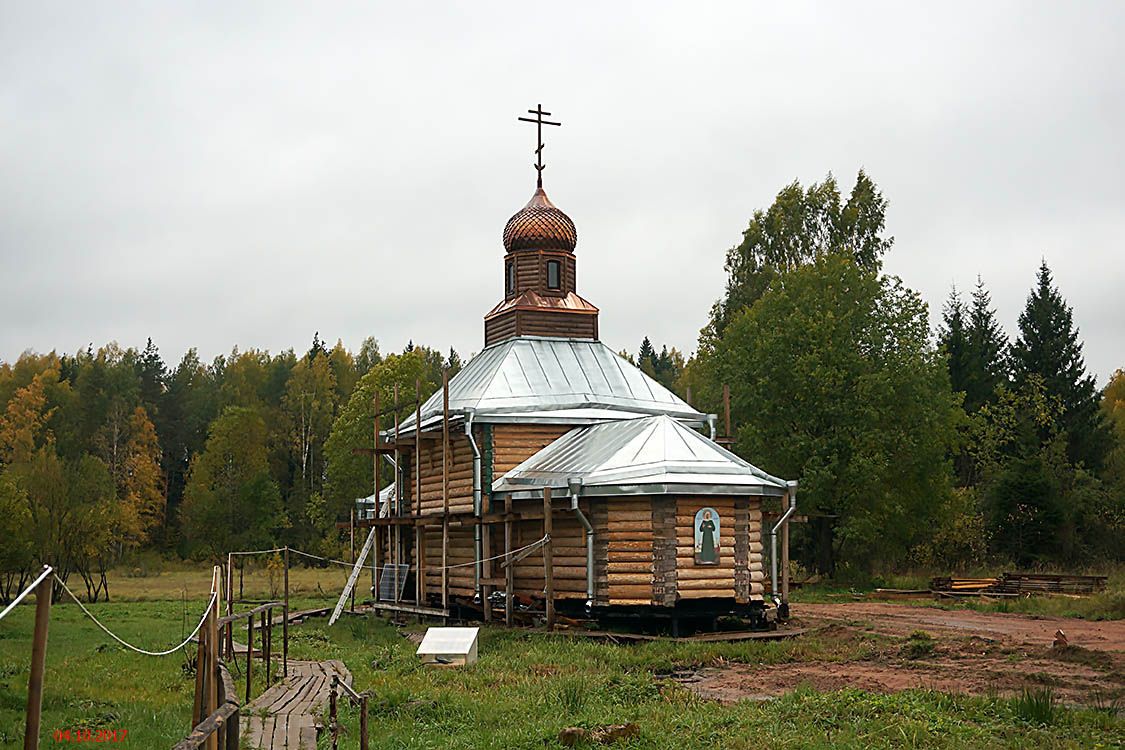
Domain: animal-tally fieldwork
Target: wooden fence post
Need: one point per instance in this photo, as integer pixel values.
(228, 644)
(285, 622)
(213, 651)
(249, 653)
(332, 711)
(548, 559)
(351, 535)
(363, 723)
(38, 662)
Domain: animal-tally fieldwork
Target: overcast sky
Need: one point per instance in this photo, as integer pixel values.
(221, 174)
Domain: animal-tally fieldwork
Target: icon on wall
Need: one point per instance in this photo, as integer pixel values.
(707, 537)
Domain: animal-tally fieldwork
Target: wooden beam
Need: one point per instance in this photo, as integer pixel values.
(548, 559)
(444, 489)
(509, 572)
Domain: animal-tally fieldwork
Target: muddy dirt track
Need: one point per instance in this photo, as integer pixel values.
(969, 652)
(901, 620)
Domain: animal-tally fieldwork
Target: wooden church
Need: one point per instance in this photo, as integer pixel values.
(551, 473)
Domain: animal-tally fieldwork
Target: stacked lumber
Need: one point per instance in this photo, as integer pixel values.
(970, 585)
(1014, 584)
(1041, 583)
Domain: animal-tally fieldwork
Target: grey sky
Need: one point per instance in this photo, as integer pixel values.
(220, 174)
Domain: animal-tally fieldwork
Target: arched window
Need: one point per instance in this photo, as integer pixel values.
(511, 277)
(554, 274)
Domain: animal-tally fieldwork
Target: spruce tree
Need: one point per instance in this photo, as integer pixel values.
(953, 339)
(1048, 346)
(987, 352)
(646, 354)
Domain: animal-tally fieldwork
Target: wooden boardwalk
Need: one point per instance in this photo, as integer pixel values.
(287, 714)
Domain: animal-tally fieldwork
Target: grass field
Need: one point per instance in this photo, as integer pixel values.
(526, 687)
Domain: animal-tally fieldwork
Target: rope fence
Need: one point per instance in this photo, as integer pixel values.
(427, 569)
(130, 646)
(46, 572)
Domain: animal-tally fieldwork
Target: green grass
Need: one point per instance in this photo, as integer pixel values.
(526, 687)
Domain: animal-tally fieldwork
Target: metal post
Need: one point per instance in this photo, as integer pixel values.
(726, 409)
(38, 661)
(285, 622)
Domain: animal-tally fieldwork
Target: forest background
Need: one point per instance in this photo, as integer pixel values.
(956, 447)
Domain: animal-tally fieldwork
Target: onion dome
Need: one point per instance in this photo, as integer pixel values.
(540, 226)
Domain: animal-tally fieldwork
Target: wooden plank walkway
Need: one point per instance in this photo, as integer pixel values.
(286, 715)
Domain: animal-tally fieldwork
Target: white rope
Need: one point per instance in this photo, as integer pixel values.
(46, 572)
(260, 551)
(428, 568)
(187, 640)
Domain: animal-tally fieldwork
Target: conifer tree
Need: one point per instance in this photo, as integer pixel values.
(953, 339)
(1048, 346)
(987, 352)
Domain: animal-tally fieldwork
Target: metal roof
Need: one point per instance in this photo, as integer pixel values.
(544, 378)
(648, 455)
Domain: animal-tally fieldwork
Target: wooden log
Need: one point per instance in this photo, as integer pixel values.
(629, 567)
(705, 574)
(631, 515)
(630, 591)
(618, 579)
(635, 602)
(705, 585)
(634, 546)
(618, 555)
(727, 593)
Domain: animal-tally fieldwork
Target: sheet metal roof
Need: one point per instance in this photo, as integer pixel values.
(648, 455)
(543, 378)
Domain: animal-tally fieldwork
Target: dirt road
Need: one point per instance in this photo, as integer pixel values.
(970, 652)
(901, 620)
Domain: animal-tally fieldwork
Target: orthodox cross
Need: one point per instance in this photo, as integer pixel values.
(539, 123)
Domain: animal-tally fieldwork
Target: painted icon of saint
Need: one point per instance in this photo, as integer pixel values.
(706, 537)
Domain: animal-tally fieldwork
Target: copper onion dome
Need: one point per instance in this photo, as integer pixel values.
(540, 226)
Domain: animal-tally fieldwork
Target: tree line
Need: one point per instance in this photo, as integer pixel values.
(106, 453)
(949, 447)
(945, 447)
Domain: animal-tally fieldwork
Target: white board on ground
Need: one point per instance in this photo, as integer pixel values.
(453, 646)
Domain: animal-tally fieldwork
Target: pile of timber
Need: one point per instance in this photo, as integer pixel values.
(1015, 584)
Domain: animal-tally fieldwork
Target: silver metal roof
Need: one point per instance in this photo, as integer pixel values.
(647, 455)
(553, 379)
(367, 507)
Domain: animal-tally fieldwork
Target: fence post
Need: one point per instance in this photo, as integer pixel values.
(363, 715)
(285, 622)
(332, 711)
(197, 709)
(213, 644)
(229, 646)
(267, 643)
(38, 661)
(249, 653)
